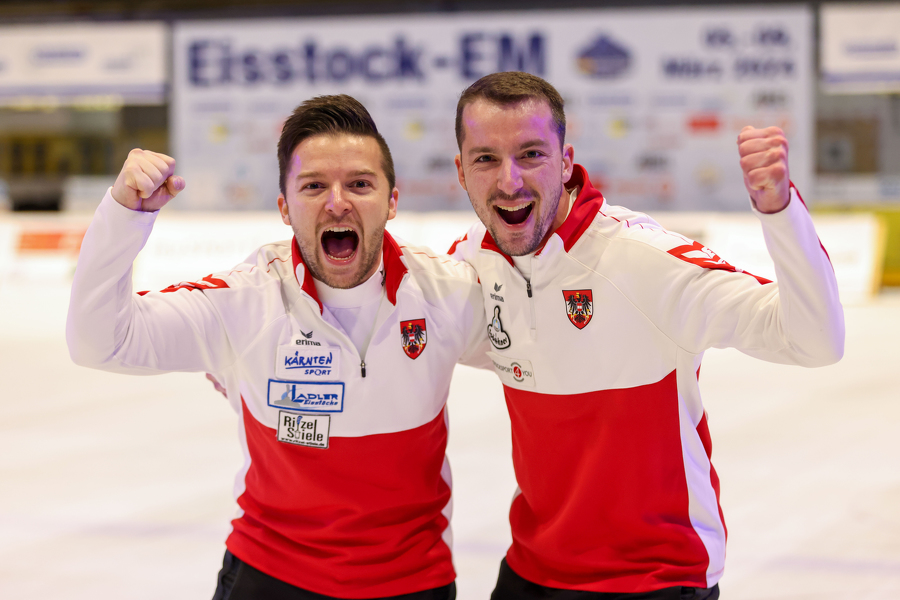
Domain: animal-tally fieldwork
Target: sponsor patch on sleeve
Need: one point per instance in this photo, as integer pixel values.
(304, 430)
(307, 396)
(207, 283)
(513, 371)
(698, 254)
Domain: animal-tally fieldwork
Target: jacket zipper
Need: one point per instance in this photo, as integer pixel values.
(528, 289)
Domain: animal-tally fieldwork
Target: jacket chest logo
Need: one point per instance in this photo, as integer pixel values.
(579, 307)
(499, 338)
(413, 337)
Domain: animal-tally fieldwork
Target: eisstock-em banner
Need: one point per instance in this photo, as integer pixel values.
(654, 98)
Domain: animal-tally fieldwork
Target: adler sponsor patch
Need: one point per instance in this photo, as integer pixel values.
(307, 396)
(318, 363)
(513, 371)
(304, 430)
(413, 337)
(579, 307)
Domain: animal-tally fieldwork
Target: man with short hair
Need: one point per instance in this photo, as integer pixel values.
(345, 490)
(600, 321)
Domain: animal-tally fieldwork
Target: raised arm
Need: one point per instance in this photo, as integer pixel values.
(111, 328)
(811, 311)
(701, 301)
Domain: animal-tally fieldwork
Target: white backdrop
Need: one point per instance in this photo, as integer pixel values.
(860, 48)
(655, 98)
(70, 61)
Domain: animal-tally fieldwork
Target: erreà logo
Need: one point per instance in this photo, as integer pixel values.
(604, 59)
(499, 338)
(305, 341)
(497, 297)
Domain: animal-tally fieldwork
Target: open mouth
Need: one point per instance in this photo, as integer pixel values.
(340, 243)
(514, 215)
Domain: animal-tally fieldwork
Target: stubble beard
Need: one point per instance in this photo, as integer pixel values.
(542, 222)
(368, 259)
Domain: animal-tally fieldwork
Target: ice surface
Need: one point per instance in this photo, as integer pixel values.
(120, 487)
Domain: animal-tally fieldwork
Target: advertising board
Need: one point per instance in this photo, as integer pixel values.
(654, 98)
(859, 46)
(71, 63)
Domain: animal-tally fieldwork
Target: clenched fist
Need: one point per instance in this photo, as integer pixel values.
(147, 181)
(764, 161)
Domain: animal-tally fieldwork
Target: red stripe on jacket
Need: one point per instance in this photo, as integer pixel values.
(607, 503)
(335, 523)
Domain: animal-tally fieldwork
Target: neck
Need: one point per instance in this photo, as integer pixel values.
(360, 295)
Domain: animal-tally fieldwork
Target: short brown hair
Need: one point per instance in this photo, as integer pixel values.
(512, 87)
(329, 115)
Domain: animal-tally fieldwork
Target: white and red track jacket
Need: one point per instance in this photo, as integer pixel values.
(345, 490)
(599, 356)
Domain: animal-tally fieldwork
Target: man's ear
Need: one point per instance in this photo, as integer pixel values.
(568, 160)
(283, 209)
(392, 203)
(459, 172)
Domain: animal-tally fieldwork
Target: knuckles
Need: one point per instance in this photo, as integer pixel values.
(778, 172)
(778, 154)
(764, 159)
(758, 178)
(765, 175)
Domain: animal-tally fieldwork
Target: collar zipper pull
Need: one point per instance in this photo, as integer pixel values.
(362, 368)
(528, 288)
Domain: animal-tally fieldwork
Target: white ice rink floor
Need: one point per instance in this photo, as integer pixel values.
(120, 487)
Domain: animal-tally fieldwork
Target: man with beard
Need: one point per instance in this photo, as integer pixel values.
(600, 321)
(345, 490)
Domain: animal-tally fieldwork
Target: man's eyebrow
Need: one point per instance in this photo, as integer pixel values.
(536, 142)
(314, 174)
(480, 150)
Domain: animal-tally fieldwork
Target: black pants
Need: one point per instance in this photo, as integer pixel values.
(239, 581)
(512, 587)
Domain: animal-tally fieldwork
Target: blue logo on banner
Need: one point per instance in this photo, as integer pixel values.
(604, 59)
(42, 56)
